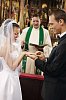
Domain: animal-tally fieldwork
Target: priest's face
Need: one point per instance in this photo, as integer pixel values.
(36, 22)
(56, 25)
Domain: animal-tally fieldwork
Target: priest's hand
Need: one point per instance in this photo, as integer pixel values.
(22, 44)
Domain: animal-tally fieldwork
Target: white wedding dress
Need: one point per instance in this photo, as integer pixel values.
(9, 81)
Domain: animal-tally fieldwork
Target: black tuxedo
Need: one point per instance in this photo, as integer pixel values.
(54, 86)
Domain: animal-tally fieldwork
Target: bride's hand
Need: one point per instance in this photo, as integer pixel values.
(31, 55)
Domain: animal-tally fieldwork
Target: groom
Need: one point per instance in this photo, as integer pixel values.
(54, 68)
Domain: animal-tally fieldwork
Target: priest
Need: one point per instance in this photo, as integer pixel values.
(32, 36)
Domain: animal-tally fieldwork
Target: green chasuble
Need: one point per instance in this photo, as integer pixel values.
(41, 39)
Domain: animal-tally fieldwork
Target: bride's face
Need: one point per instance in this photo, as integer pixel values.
(16, 32)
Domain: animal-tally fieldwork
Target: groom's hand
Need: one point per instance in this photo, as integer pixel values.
(40, 55)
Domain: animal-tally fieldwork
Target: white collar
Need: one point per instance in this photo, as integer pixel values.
(62, 34)
(35, 28)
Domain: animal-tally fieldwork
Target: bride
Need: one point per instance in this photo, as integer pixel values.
(10, 59)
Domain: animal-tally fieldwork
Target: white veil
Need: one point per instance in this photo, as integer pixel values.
(6, 38)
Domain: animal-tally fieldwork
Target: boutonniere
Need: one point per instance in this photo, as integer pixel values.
(55, 44)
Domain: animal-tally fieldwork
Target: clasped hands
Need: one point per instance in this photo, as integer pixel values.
(37, 54)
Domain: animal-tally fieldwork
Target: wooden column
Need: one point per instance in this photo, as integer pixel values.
(10, 8)
(65, 5)
(0, 8)
(21, 14)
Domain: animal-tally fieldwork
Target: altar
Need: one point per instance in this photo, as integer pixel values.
(31, 86)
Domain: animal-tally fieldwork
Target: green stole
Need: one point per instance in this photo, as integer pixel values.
(41, 36)
(41, 39)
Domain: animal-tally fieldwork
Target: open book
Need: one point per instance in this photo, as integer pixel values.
(39, 46)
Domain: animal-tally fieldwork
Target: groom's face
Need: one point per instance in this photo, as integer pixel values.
(56, 25)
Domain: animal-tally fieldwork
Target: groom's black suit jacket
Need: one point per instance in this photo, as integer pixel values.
(54, 86)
